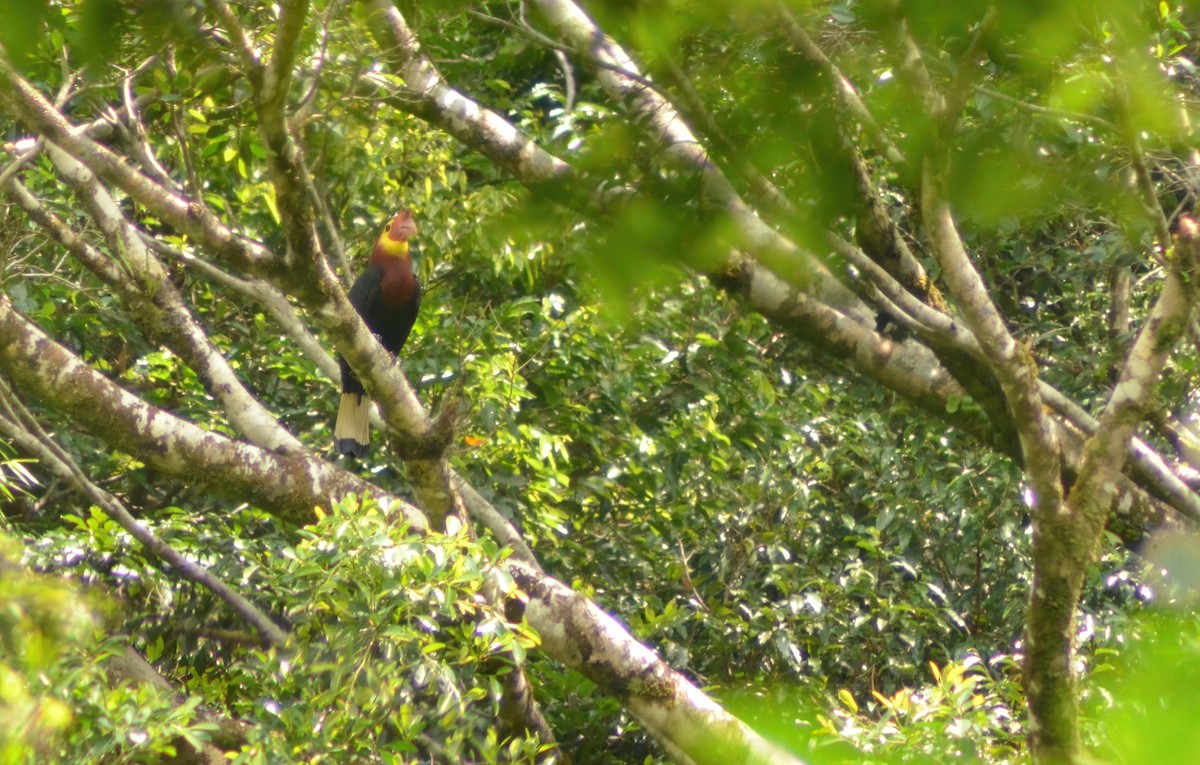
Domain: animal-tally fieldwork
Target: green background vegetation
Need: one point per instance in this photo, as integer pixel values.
(834, 564)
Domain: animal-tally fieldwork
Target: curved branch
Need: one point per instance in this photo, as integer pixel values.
(679, 145)
(425, 94)
(264, 294)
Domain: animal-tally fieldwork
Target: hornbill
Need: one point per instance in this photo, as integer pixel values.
(386, 295)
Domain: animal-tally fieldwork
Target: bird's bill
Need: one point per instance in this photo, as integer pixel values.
(403, 226)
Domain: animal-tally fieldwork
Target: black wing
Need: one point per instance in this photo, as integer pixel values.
(364, 295)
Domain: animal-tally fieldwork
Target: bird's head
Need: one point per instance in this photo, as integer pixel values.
(393, 240)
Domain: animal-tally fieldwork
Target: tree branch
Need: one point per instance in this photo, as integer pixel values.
(583, 637)
(847, 94)
(288, 485)
(20, 426)
(145, 286)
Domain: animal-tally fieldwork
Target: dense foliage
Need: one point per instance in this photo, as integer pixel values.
(827, 558)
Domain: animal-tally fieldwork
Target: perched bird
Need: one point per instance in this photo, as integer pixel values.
(387, 296)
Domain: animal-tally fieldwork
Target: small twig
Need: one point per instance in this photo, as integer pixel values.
(845, 91)
(1047, 110)
(138, 130)
(962, 86)
(23, 158)
(185, 152)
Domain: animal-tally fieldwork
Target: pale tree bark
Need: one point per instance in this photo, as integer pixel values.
(145, 285)
(691, 726)
(289, 485)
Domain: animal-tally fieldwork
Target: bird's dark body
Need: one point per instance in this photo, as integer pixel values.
(387, 298)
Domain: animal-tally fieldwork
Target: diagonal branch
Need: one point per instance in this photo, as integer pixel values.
(847, 95)
(144, 285)
(680, 147)
(23, 429)
(424, 93)
(185, 215)
(692, 727)
(1012, 364)
(262, 293)
(242, 45)
(277, 75)
(284, 484)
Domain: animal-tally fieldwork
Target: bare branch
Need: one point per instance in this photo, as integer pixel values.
(847, 95)
(186, 215)
(491, 519)
(19, 425)
(678, 144)
(262, 293)
(424, 93)
(277, 77)
(679, 715)
(1012, 364)
(237, 33)
(145, 286)
(1130, 398)
(1048, 111)
(285, 484)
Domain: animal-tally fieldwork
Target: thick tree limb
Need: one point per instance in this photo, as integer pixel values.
(425, 94)
(680, 147)
(288, 485)
(1012, 364)
(583, 637)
